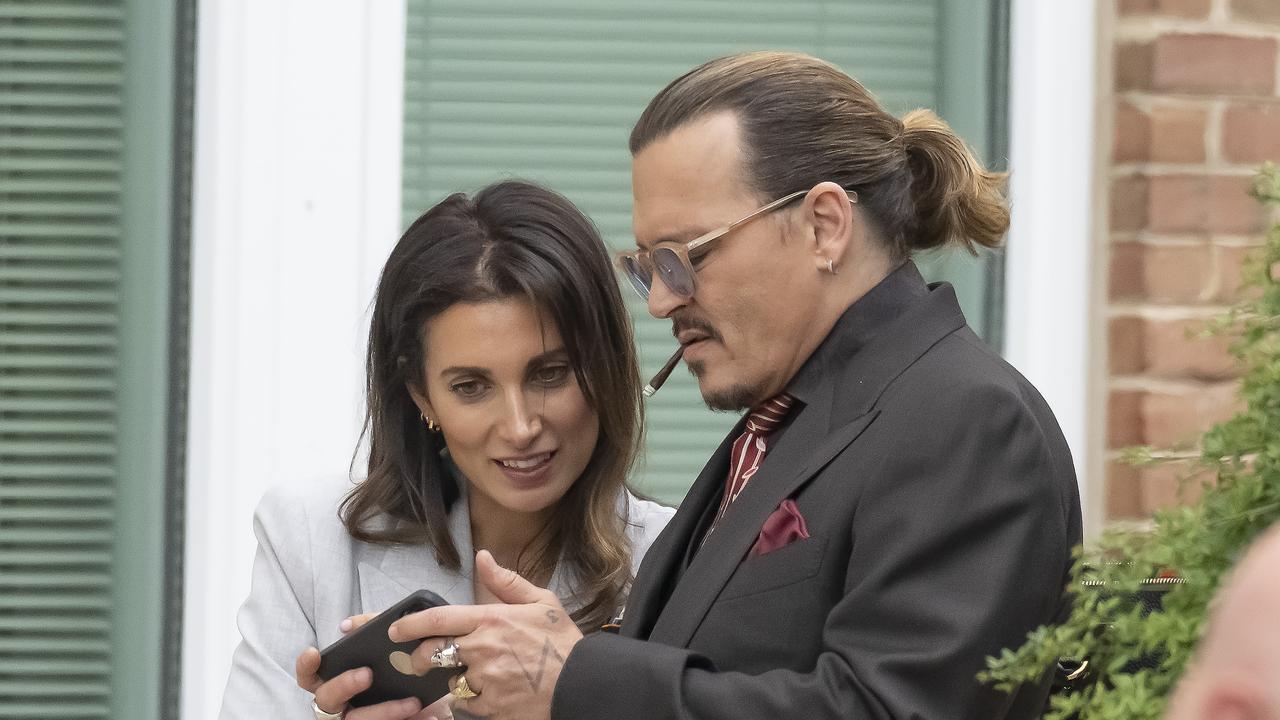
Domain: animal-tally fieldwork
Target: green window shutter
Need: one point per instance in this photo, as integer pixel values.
(548, 91)
(63, 325)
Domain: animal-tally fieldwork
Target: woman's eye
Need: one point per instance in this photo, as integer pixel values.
(468, 388)
(551, 375)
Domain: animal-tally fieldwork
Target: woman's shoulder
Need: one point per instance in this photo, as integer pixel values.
(309, 505)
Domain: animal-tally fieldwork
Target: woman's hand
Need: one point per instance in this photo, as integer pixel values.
(334, 696)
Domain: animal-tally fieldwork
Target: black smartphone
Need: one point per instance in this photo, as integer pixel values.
(393, 677)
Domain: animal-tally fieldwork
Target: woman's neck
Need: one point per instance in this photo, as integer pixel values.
(514, 538)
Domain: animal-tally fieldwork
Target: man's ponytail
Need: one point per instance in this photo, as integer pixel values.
(956, 199)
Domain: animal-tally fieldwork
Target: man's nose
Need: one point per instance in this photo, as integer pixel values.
(662, 300)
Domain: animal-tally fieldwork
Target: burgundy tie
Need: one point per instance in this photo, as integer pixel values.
(750, 447)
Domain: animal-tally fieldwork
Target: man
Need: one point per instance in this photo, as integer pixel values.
(1236, 673)
(897, 504)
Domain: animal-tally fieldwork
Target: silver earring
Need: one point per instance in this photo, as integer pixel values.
(831, 267)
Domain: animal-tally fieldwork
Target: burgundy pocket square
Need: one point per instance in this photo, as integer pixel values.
(783, 527)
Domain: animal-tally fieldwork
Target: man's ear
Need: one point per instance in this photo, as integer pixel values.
(833, 222)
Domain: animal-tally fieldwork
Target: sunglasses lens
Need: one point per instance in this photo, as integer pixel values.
(635, 273)
(673, 272)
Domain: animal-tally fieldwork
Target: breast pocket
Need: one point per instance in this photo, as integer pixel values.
(785, 566)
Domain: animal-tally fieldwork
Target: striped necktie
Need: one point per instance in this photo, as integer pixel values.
(750, 447)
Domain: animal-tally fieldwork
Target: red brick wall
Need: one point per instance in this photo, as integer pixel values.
(1196, 107)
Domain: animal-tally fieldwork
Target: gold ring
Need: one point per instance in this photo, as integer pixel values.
(462, 690)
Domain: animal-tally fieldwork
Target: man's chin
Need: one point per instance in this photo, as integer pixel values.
(723, 396)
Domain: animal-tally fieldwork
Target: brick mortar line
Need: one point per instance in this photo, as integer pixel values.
(1213, 133)
(1164, 169)
(1150, 311)
(1166, 386)
(1118, 454)
(1186, 96)
(1154, 239)
(1147, 100)
(1219, 11)
(1147, 28)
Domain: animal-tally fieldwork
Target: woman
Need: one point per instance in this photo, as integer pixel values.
(503, 413)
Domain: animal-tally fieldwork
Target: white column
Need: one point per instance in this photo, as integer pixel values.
(1051, 317)
(296, 204)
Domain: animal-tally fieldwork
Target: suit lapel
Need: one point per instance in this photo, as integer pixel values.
(812, 447)
(664, 561)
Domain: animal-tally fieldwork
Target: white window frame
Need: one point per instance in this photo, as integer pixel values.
(296, 205)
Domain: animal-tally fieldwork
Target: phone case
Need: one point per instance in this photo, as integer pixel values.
(370, 647)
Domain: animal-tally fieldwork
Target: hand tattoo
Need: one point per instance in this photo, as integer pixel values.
(553, 616)
(535, 678)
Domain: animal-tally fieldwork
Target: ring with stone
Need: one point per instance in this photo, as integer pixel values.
(447, 656)
(462, 690)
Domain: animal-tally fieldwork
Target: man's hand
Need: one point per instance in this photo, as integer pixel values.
(513, 652)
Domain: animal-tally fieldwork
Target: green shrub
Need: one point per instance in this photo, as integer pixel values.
(1136, 657)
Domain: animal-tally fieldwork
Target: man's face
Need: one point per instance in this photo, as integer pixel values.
(744, 330)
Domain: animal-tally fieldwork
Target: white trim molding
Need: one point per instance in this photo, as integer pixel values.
(296, 204)
(1049, 280)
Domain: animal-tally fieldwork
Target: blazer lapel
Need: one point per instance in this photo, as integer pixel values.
(664, 561)
(388, 573)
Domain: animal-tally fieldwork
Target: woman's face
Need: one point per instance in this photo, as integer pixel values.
(499, 384)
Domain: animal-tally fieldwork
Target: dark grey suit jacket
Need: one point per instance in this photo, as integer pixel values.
(941, 506)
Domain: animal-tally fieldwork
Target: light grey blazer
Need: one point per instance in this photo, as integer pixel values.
(309, 575)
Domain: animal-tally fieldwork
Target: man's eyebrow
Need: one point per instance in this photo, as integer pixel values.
(681, 237)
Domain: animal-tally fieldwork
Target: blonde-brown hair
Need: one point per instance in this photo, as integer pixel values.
(804, 121)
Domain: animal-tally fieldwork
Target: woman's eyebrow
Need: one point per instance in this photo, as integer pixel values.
(558, 353)
(464, 370)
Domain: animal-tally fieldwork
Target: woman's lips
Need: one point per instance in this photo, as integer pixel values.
(529, 471)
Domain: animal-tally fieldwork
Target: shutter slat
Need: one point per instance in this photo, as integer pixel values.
(54, 297)
(62, 144)
(33, 644)
(56, 709)
(68, 581)
(78, 165)
(29, 361)
(80, 99)
(52, 687)
(77, 383)
(97, 33)
(54, 318)
(53, 538)
(68, 494)
(58, 230)
(69, 185)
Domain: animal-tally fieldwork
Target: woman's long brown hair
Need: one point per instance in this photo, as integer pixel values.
(512, 240)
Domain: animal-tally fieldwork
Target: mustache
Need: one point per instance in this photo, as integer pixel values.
(682, 321)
